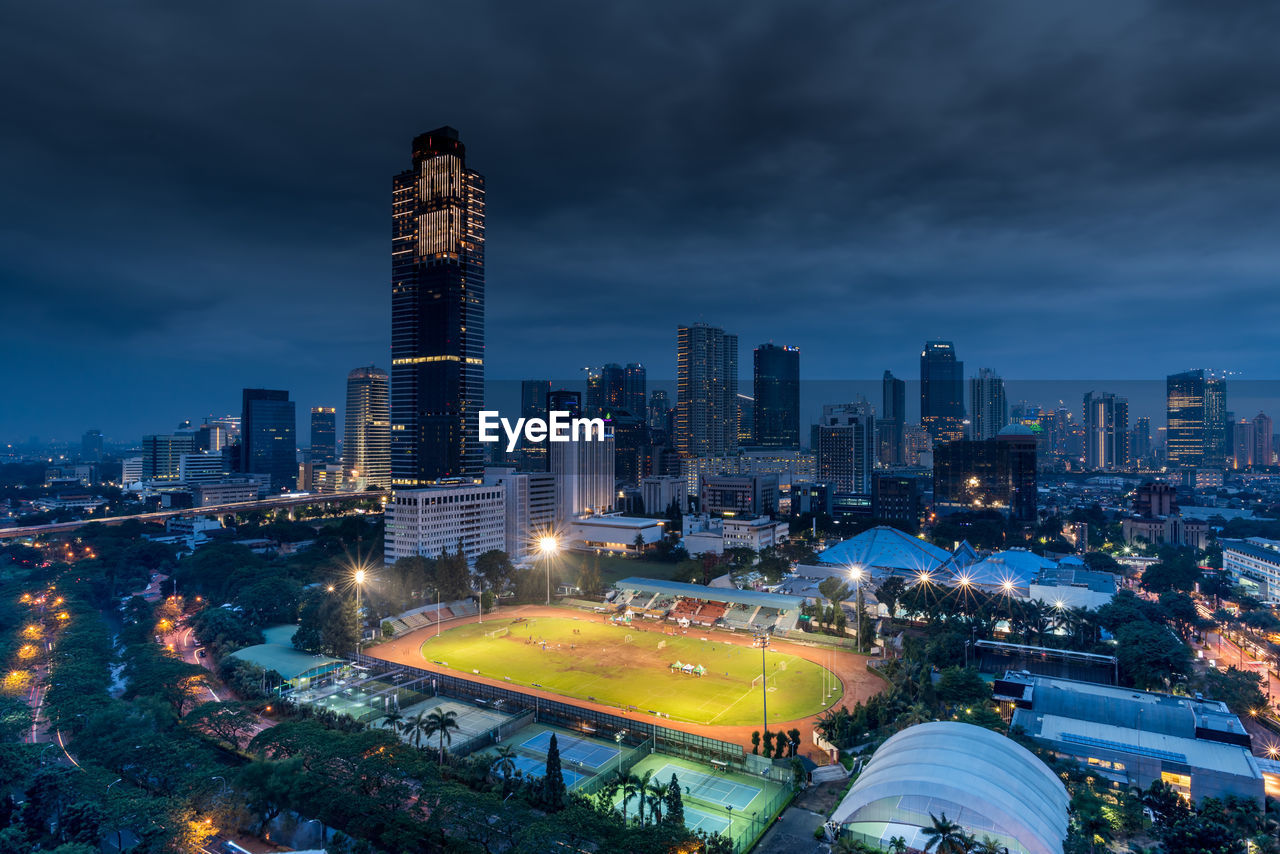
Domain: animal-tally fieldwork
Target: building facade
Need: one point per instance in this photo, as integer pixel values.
(706, 391)
(366, 442)
(941, 391)
(1106, 432)
(846, 451)
(1196, 408)
(995, 474)
(988, 409)
(439, 519)
(437, 314)
(324, 435)
(268, 436)
(776, 413)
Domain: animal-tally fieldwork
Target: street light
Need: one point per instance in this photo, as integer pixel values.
(358, 578)
(548, 546)
(857, 573)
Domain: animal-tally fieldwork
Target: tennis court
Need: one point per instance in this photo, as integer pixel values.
(576, 750)
(532, 768)
(710, 788)
(696, 819)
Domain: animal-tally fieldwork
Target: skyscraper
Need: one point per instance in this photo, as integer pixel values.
(1106, 431)
(91, 446)
(584, 471)
(437, 314)
(941, 391)
(776, 413)
(988, 410)
(1140, 445)
(1243, 443)
(162, 455)
(1262, 448)
(659, 410)
(635, 382)
(1197, 419)
(268, 436)
(846, 446)
(706, 391)
(892, 425)
(612, 387)
(533, 404)
(977, 474)
(324, 435)
(366, 442)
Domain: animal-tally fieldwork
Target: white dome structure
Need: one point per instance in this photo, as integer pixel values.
(983, 781)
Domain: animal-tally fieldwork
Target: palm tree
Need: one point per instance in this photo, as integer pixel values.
(506, 764)
(657, 795)
(898, 844)
(989, 846)
(391, 720)
(642, 788)
(441, 722)
(628, 784)
(945, 836)
(416, 727)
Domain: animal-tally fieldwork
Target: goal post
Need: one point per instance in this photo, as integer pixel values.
(498, 633)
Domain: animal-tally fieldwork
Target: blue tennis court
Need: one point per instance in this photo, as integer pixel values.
(575, 750)
(709, 788)
(531, 767)
(696, 819)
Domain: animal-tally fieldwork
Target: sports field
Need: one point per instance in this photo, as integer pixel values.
(588, 659)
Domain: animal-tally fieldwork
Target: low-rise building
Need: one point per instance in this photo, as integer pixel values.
(439, 519)
(1255, 563)
(756, 534)
(615, 534)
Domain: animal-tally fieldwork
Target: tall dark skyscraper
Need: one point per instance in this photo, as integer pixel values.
(1197, 419)
(1106, 431)
(706, 391)
(1140, 441)
(91, 446)
(437, 314)
(893, 426)
(324, 435)
(776, 412)
(941, 391)
(613, 387)
(635, 389)
(988, 409)
(563, 400)
(977, 474)
(659, 410)
(533, 404)
(268, 436)
(366, 444)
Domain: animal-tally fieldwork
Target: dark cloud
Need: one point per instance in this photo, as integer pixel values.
(199, 194)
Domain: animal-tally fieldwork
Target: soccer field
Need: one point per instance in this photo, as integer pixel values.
(588, 659)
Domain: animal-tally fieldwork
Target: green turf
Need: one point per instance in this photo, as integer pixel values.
(607, 668)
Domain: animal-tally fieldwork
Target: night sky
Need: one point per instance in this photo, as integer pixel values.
(196, 196)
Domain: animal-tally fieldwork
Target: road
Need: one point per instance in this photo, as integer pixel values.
(1225, 653)
(182, 641)
(213, 509)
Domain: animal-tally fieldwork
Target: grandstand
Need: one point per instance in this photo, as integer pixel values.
(693, 604)
(428, 615)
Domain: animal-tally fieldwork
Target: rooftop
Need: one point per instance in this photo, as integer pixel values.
(885, 548)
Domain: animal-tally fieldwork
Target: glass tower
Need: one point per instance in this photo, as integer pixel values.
(941, 391)
(437, 314)
(324, 435)
(777, 397)
(268, 440)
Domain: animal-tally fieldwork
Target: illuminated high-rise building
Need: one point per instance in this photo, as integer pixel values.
(324, 435)
(1262, 445)
(941, 391)
(706, 391)
(776, 410)
(437, 314)
(1106, 431)
(1197, 420)
(988, 410)
(846, 450)
(268, 436)
(892, 425)
(635, 382)
(366, 444)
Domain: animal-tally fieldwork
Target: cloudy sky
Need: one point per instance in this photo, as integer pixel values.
(195, 197)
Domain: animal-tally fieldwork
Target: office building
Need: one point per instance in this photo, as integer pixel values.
(1262, 440)
(91, 446)
(612, 388)
(1136, 738)
(584, 473)
(438, 519)
(366, 442)
(992, 474)
(437, 314)
(659, 492)
(941, 391)
(268, 443)
(891, 428)
(1243, 443)
(776, 410)
(133, 469)
(706, 391)
(738, 495)
(659, 410)
(201, 467)
(1197, 420)
(1140, 442)
(635, 389)
(630, 446)
(846, 451)
(234, 489)
(162, 455)
(324, 435)
(530, 507)
(1255, 563)
(897, 499)
(988, 410)
(746, 420)
(1106, 432)
(563, 400)
(533, 404)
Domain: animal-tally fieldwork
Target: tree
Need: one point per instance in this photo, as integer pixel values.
(416, 727)
(656, 794)
(793, 738)
(626, 783)
(1176, 570)
(674, 803)
(768, 744)
(1149, 654)
(327, 623)
(496, 568)
(452, 578)
(226, 721)
(945, 836)
(962, 686)
(443, 723)
(889, 593)
(506, 764)
(642, 787)
(553, 788)
(755, 742)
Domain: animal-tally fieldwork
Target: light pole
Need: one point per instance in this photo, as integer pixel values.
(856, 574)
(548, 546)
(764, 680)
(359, 580)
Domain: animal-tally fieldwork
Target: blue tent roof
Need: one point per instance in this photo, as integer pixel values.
(753, 598)
(1017, 566)
(885, 548)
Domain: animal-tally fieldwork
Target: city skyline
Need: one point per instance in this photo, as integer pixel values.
(941, 225)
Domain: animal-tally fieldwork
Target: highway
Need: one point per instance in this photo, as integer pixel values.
(211, 510)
